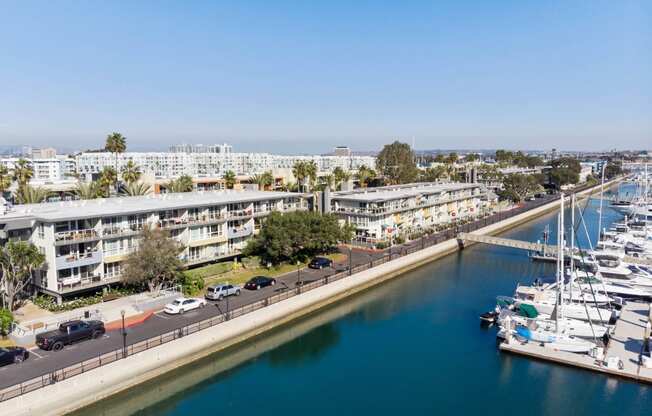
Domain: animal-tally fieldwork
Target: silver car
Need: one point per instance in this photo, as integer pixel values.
(217, 292)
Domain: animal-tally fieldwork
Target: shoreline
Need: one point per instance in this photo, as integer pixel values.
(79, 391)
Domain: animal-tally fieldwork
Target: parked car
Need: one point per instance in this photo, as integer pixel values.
(68, 333)
(257, 282)
(320, 263)
(12, 355)
(217, 292)
(530, 198)
(182, 305)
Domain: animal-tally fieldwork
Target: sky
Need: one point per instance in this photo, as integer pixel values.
(304, 76)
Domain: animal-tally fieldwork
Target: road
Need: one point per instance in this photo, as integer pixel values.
(43, 362)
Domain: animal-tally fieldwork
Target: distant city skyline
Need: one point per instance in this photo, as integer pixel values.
(294, 77)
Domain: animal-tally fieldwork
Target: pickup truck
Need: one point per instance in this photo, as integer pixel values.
(68, 333)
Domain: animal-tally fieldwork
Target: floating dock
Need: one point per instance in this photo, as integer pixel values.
(626, 345)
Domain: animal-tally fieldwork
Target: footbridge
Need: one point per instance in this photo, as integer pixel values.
(470, 238)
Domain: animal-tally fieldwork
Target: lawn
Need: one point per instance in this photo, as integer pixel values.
(241, 275)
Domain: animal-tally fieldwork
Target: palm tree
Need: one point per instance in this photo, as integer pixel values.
(229, 179)
(311, 172)
(182, 184)
(30, 195)
(108, 179)
(328, 180)
(116, 143)
(89, 190)
(131, 172)
(5, 179)
(136, 189)
(340, 176)
(23, 172)
(299, 170)
(365, 175)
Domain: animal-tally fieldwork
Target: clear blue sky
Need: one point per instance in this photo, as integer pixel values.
(303, 76)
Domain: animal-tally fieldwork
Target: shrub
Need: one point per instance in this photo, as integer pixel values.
(191, 284)
(399, 239)
(6, 319)
(49, 303)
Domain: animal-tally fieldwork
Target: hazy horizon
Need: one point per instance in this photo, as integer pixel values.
(294, 77)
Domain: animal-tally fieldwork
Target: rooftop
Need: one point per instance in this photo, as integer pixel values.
(387, 193)
(65, 210)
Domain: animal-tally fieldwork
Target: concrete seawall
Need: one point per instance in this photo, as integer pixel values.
(89, 387)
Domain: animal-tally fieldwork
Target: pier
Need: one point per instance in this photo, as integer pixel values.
(464, 239)
(625, 346)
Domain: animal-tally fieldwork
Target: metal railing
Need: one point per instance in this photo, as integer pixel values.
(388, 255)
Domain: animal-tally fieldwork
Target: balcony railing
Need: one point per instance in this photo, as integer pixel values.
(76, 236)
(121, 231)
(236, 232)
(206, 219)
(241, 213)
(173, 222)
(78, 259)
(84, 281)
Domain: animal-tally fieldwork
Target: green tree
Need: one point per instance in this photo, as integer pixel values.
(504, 157)
(89, 190)
(27, 194)
(131, 172)
(23, 172)
(108, 180)
(136, 189)
(435, 173)
(311, 173)
(565, 171)
(182, 184)
(471, 157)
(297, 236)
(263, 180)
(365, 175)
(490, 173)
(18, 260)
(516, 187)
(440, 158)
(452, 158)
(340, 176)
(116, 143)
(229, 179)
(613, 169)
(155, 263)
(396, 163)
(299, 171)
(6, 319)
(5, 179)
(328, 181)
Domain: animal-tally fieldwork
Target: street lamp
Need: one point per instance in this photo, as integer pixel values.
(351, 258)
(124, 335)
(298, 277)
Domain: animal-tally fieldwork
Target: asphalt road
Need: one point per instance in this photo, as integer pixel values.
(43, 362)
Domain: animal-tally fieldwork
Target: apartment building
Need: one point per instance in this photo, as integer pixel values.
(46, 170)
(86, 242)
(167, 165)
(380, 213)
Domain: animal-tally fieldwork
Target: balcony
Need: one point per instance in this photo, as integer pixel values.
(195, 260)
(206, 239)
(237, 232)
(76, 236)
(84, 281)
(172, 223)
(78, 259)
(111, 232)
(206, 219)
(242, 213)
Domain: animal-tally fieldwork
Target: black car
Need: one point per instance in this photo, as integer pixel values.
(68, 333)
(11, 355)
(257, 282)
(320, 263)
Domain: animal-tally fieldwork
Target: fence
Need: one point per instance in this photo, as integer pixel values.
(389, 254)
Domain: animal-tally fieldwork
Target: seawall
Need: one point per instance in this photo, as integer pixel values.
(102, 382)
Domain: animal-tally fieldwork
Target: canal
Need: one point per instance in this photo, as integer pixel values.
(413, 345)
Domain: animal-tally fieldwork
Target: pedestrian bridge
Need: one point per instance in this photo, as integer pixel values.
(466, 238)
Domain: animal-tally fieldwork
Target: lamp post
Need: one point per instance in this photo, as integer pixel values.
(351, 257)
(124, 335)
(227, 306)
(298, 276)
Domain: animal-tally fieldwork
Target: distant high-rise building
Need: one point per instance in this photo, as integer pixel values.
(200, 148)
(342, 151)
(44, 153)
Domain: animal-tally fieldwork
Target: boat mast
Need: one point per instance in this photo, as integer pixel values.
(572, 248)
(560, 266)
(600, 212)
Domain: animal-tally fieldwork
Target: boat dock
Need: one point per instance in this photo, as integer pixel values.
(621, 357)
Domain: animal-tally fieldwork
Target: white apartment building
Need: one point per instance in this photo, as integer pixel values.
(86, 242)
(200, 148)
(46, 171)
(167, 165)
(380, 213)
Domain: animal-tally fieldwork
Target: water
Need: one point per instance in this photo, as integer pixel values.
(411, 346)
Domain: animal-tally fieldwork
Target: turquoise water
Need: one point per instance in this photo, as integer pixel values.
(413, 345)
